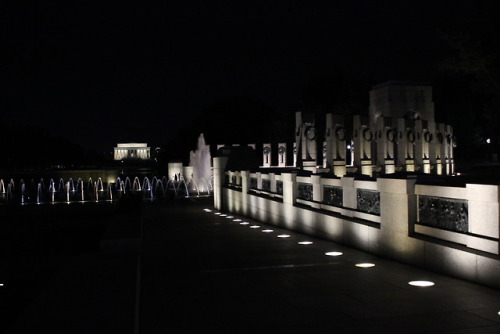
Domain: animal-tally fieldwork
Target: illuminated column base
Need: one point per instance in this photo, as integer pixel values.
(309, 165)
(410, 165)
(449, 166)
(339, 168)
(389, 167)
(439, 167)
(427, 166)
(366, 167)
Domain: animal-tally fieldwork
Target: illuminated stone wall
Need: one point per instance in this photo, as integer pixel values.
(380, 216)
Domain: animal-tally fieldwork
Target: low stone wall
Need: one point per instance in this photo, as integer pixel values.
(379, 216)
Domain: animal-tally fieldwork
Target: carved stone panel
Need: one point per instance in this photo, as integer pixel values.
(333, 195)
(279, 187)
(266, 185)
(305, 191)
(253, 183)
(446, 213)
(368, 201)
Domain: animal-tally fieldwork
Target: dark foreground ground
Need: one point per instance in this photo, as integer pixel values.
(198, 272)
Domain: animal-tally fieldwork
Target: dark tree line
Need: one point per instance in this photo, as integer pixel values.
(29, 147)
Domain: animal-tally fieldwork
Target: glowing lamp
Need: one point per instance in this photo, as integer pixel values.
(421, 283)
(333, 253)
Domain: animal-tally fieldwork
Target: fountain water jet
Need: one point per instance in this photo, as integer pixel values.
(200, 161)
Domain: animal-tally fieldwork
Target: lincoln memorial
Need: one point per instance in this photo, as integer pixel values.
(132, 151)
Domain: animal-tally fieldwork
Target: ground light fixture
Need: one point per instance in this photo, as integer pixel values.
(244, 223)
(229, 217)
(305, 242)
(333, 253)
(255, 226)
(223, 215)
(236, 220)
(283, 235)
(365, 265)
(421, 283)
(207, 210)
(267, 231)
(217, 213)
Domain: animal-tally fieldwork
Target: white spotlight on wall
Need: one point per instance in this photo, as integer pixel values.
(283, 235)
(254, 226)
(305, 242)
(365, 265)
(244, 223)
(236, 220)
(267, 231)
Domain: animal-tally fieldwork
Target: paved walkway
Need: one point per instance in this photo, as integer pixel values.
(202, 272)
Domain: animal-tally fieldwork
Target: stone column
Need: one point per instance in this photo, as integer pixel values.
(317, 193)
(386, 137)
(266, 155)
(336, 144)
(282, 155)
(289, 188)
(398, 212)
(219, 168)
(363, 137)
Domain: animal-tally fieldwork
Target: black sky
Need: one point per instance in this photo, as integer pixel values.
(109, 73)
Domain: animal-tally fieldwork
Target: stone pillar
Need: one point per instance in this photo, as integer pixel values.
(449, 143)
(305, 139)
(349, 193)
(245, 180)
(336, 144)
(266, 155)
(219, 164)
(398, 213)
(317, 191)
(362, 137)
(272, 181)
(419, 145)
(289, 189)
(386, 138)
(406, 141)
(282, 155)
(294, 154)
(440, 149)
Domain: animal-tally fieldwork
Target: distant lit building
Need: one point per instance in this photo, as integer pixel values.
(132, 151)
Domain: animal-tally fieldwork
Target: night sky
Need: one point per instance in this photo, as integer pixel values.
(104, 74)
